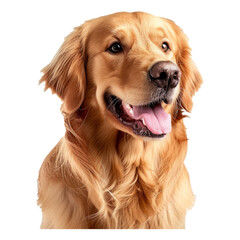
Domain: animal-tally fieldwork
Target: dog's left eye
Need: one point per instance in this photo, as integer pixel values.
(165, 46)
(115, 48)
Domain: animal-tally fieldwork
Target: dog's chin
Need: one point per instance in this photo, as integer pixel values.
(149, 121)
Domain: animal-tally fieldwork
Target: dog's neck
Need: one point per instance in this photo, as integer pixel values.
(132, 172)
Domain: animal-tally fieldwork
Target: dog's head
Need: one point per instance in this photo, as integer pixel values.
(134, 70)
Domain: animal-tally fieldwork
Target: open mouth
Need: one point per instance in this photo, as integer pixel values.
(149, 120)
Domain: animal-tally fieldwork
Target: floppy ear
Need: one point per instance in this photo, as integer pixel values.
(65, 75)
(191, 79)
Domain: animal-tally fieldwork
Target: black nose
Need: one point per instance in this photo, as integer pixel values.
(165, 74)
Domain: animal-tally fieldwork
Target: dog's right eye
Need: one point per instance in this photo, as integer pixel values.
(115, 48)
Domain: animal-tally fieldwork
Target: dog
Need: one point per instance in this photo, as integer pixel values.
(126, 81)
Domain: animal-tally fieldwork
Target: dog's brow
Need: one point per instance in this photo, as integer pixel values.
(160, 29)
(118, 33)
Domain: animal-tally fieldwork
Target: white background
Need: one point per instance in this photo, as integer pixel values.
(31, 123)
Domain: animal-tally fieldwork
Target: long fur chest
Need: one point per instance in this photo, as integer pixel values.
(138, 185)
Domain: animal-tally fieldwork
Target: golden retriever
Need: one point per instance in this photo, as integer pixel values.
(125, 80)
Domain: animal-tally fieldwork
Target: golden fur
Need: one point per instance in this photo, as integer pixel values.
(101, 175)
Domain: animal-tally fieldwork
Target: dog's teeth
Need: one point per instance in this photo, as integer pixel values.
(128, 106)
(143, 121)
(131, 111)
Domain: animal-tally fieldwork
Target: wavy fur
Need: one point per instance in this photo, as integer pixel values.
(100, 175)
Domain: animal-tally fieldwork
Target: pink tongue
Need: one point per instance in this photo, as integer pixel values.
(156, 119)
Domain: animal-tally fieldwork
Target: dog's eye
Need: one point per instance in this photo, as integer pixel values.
(165, 46)
(115, 48)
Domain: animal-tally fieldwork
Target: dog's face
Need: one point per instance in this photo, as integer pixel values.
(134, 69)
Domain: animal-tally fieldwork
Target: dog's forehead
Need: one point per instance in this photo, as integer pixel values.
(132, 25)
(137, 21)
